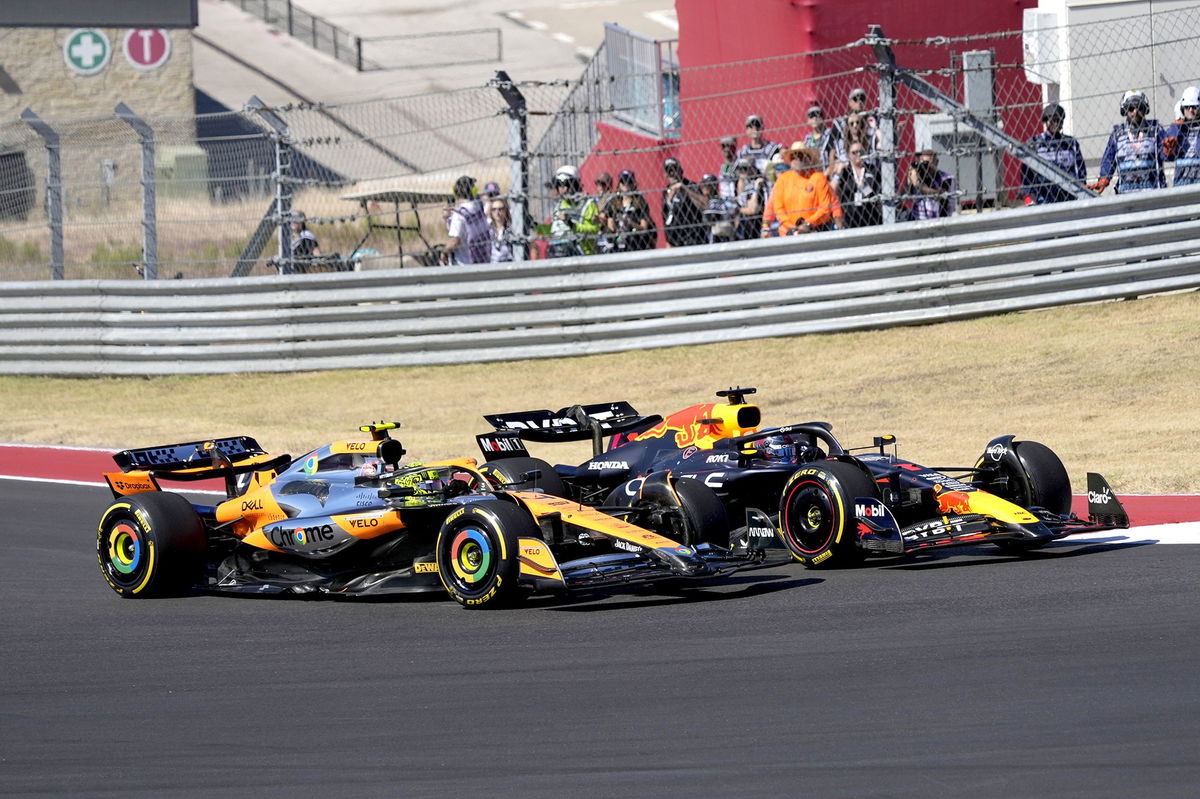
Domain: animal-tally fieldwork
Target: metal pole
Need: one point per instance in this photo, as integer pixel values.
(53, 189)
(149, 205)
(887, 123)
(282, 177)
(518, 150)
(1019, 150)
(358, 52)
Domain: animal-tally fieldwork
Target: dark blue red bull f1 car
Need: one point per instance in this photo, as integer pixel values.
(828, 505)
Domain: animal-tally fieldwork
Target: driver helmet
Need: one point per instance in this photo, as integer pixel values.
(778, 448)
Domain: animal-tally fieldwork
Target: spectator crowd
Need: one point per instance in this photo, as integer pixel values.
(830, 179)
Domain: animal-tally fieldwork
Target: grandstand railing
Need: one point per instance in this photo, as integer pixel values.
(931, 271)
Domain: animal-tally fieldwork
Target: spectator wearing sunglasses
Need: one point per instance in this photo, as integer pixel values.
(727, 175)
(500, 229)
(1183, 139)
(825, 139)
(856, 103)
(1135, 150)
(758, 149)
(857, 186)
(801, 201)
(751, 198)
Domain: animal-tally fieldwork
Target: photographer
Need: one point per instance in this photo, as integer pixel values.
(933, 189)
(720, 214)
(574, 226)
(630, 226)
(681, 208)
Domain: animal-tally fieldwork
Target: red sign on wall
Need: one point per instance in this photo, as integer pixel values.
(147, 48)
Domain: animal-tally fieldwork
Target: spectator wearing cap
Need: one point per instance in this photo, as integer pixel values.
(751, 198)
(933, 190)
(304, 242)
(1135, 150)
(1055, 147)
(682, 207)
(720, 213)
(630, 226)
(856, 103)
(575, 225)
(727, 175)
(469, 242)
(1182, 141)
(491, 189)
(802, 200)
(824, 139)
(758, 148)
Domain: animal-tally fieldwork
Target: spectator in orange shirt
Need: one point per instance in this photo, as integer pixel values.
(802, 200)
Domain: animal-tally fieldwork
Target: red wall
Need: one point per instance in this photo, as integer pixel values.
(714, 99)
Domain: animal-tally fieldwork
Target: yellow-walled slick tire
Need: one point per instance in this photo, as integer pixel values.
(150, 545)
(816, 513)
(477, 553)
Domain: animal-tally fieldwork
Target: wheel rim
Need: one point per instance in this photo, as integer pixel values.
(471, 558)
(811, 520)
(123, 549)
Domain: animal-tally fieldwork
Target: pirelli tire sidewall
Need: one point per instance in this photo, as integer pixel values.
(816, 514)
(151, 545)
(478, 556)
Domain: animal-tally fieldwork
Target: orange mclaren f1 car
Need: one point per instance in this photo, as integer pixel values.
(349, 520)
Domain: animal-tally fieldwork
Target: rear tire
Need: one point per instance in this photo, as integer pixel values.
(506, 473)
(151, 545)
(816, 513)
(477, 553)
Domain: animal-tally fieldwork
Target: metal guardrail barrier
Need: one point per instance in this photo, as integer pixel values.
(1127, 245)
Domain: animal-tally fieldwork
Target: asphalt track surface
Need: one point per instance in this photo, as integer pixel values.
(1070, 673)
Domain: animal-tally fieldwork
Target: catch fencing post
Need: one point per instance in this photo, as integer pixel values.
(887, 120)
(283, 178)
(149, 207)
(54, 204)
(518, 150)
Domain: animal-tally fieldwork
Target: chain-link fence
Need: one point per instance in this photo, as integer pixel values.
(374, 178)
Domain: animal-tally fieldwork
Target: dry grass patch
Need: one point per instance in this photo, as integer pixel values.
(1111, 387)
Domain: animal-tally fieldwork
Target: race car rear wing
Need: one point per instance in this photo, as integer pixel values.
(195, 460)
(574, 423)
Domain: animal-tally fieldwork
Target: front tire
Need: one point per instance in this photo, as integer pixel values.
(816, 514)
(1032, 477)
(477, 553)
(151, 545)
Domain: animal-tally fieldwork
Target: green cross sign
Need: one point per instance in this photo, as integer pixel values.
(87, 51)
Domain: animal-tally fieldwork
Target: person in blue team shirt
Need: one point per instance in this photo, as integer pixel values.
(1135, 150)
(1183, 139)
(1057, 148)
